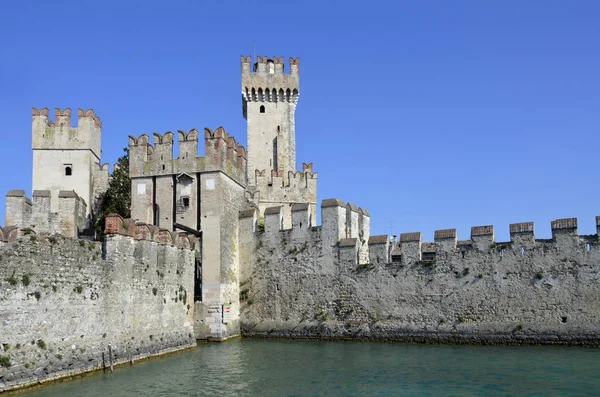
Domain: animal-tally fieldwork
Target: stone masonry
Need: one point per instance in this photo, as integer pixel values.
(314, 283)
(66, 303)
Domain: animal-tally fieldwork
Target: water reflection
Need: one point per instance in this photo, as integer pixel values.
(307, 368)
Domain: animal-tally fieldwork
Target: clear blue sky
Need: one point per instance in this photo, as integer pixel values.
(430, 114)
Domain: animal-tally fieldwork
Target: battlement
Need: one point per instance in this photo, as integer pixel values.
(60, 135)
(522, 239)
(267, 82)
(222, 153)
(346, 229)
(276, 190)
(307, 179)
(266, 65)
(36, 214)
(340, 222)
(116, 225)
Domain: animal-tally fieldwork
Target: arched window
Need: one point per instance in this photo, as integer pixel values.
(68, 170)
(262, 108)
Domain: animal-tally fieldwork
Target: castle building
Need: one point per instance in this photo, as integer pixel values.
(204, 196)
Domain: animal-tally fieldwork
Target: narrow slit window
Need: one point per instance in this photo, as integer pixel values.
(588, 247)
(522, 251)
(275, 165)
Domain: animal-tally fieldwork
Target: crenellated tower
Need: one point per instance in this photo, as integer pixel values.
(269, 98)
(67, 158)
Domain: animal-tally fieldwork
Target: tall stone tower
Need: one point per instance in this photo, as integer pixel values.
(67, 158)
(269, 104)
(269, 98)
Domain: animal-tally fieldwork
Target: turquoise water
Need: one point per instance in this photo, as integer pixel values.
(307, 368)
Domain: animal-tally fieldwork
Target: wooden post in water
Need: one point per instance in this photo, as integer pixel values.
(110, 357)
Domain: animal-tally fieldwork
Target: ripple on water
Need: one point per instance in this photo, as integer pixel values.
(309, 368)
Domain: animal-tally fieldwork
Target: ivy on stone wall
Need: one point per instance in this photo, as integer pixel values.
(117, 198)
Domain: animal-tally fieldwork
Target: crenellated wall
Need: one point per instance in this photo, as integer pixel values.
(37, 214)
(343, 235)
(60, 135)
(274, 190)
(311, 282)
(68, 304)
(166, 190)
(222, 153)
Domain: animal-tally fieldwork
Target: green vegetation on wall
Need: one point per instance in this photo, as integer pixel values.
(117, 198)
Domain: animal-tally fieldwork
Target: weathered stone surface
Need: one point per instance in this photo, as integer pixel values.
(63, 301)
(497, 293)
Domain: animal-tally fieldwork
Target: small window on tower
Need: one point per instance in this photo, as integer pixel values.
(186, 201)
(68, 170)
(262, 108)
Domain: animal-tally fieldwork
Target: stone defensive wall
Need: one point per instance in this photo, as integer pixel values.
(320, 283)
(71, 306)
(60, 135)
(344, 234)
(300, 187)
(222, 153)
(36, 213)
(298, 183)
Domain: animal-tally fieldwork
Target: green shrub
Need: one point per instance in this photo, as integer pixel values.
(78, 289)
(480, 275)
(59, 356)
(41, 344)
(25, 280)
(37, 295)
(6, 346)
(540, 276)
(260, 225)
(154, 291)
(12, 280)
(18, 346)
(5, 361)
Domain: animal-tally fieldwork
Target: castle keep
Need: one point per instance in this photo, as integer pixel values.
(227, 244)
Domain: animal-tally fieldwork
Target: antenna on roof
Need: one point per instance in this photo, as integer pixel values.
(390, 228)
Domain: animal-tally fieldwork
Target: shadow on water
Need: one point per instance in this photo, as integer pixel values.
(310, 368)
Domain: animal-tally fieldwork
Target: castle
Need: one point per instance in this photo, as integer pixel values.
(202, 196)
(227, 244)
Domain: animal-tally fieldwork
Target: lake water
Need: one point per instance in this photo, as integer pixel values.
(247, 367)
